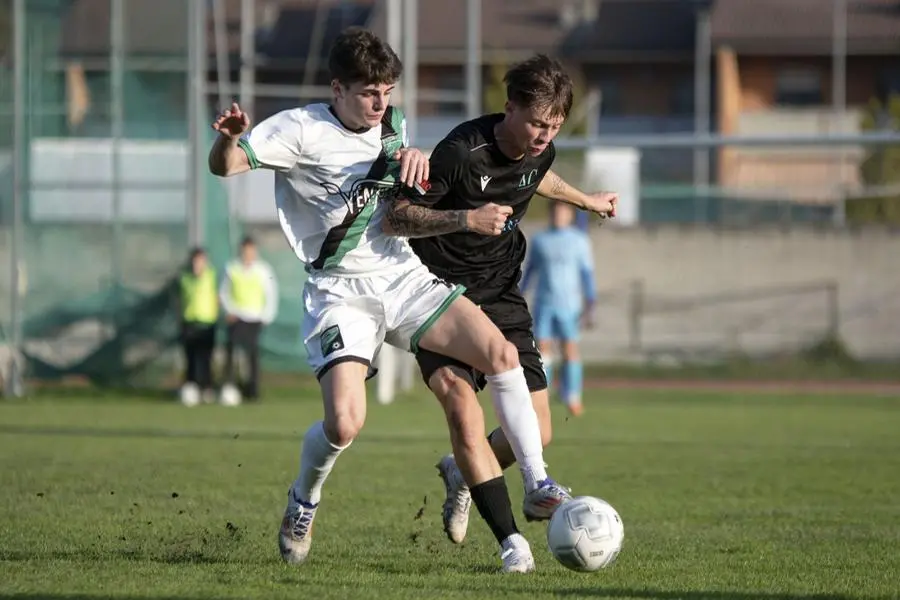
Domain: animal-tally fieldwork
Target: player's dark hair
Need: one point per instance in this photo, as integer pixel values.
(540, 83)
(247, 241)
(358, 55)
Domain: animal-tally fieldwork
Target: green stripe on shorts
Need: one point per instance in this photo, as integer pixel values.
(424, 327)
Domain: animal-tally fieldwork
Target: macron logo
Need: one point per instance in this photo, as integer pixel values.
(485, 179)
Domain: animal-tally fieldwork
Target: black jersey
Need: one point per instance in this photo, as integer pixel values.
(468, 171)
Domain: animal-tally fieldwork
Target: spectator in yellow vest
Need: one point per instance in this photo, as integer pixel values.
(198, 313)
(249, 296)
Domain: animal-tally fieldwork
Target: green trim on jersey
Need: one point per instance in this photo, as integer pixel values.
(354, 232)
(396, 121)
(251, 155)
(345, 236)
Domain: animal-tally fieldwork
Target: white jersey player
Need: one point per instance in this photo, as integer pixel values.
(335, 165)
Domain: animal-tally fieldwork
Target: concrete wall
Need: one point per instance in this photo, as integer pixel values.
(765, 273)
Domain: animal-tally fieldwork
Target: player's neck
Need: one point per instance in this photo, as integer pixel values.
(345, 123)
(505, 142)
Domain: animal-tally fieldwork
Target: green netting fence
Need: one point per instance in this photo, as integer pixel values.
(106, 220)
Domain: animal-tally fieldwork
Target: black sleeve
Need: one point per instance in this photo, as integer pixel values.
(447, 165)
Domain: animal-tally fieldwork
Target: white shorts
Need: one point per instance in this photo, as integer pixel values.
(347, 319)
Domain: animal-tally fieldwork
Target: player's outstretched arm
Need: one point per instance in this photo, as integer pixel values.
(407, 219)
(554, 187)
(225, 157)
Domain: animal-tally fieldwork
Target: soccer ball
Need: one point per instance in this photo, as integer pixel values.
(230, 395)
(585, 534)
(189, 394)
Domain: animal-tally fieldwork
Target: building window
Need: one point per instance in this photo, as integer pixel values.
(798, 86)
(889, 83)
(610, 98)
(450, 80)
(682, 99)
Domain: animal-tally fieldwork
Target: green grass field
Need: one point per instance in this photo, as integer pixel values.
(740, 496)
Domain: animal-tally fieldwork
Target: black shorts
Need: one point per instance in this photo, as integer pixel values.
(509, 312)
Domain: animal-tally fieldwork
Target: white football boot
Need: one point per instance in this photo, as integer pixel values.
(458, 501)
(540, 503)
(295, 536)
(516, 555)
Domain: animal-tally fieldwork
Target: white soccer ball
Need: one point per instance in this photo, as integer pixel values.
(189, 394)
(230, 395)
(586, 534)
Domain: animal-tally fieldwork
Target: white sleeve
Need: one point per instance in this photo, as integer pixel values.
(275, 142)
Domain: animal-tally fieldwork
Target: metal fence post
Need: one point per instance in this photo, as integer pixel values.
(13, 382)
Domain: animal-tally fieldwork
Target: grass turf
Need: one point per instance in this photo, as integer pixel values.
(735, 496)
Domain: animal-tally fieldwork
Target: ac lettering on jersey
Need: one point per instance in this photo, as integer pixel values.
(528, 179)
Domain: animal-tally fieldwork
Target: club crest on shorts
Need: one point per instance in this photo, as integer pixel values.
(331, 340)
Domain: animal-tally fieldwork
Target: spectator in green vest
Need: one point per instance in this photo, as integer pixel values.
(249, 296)
(198, 313)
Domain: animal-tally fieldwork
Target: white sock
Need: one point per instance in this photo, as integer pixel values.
(316, 460)
(512, 403)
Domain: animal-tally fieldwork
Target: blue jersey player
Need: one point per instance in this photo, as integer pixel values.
(561, 267)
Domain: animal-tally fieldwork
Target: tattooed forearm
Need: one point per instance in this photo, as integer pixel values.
(554, 187)
(409, 220)
(557, 185)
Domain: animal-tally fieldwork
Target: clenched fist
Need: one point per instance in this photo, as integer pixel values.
(603, 203)
(489, 219)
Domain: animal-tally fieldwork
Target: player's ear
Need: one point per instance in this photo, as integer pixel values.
(509, 108)
(337, 89)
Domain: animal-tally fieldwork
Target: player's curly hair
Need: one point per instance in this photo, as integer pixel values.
(541, 83)
(358, 55)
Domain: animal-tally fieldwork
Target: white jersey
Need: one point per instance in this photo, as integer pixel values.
(328, 181)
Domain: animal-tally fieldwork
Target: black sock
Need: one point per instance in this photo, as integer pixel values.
(490, 438)
(492, 500)
(491, 435)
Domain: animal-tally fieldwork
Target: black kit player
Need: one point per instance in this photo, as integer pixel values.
(465, 229)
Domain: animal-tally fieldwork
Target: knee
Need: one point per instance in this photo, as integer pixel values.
(502, 356)
(570, 351)
(464, 415)
(344, 424)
